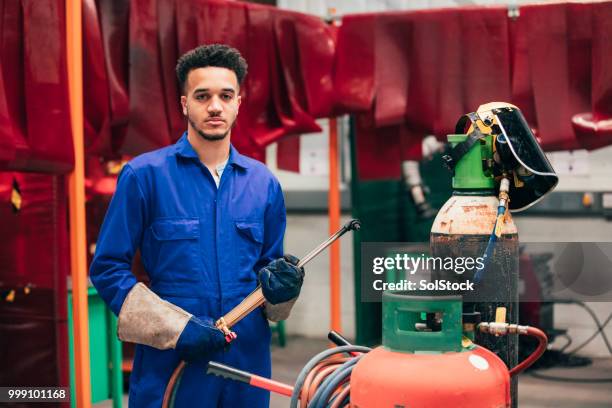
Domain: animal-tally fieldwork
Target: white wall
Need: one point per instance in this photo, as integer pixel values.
(581, 170)
(567, 229)
(310, 316)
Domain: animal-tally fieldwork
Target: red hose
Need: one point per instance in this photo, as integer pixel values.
(317, 374)
(172, 383)
(542, 343)
(338, 401)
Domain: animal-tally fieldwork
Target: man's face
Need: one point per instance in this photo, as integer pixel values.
(211, 101)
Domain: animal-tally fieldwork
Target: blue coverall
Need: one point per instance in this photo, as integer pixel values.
(201, 247)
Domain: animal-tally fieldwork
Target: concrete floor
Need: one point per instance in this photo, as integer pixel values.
(533, 392)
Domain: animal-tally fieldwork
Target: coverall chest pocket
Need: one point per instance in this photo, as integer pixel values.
(250, 236)
(176, 248)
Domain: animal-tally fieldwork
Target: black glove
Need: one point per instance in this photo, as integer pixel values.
(200, 339)
(281, 280)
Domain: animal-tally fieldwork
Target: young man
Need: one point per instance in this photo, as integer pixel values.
(209, 223)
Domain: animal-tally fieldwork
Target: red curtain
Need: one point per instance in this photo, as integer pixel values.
(418, 70)
(35, 129)
(34, 265)
(289, 83)
(594, 127)
(416, 73)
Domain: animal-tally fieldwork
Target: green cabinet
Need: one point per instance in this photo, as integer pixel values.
(104, 351)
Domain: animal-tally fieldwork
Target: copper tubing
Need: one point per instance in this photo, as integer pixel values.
(250, 303)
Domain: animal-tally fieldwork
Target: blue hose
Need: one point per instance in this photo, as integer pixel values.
(488, 254)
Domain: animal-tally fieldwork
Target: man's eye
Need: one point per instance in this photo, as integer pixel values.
(226, 97)
(201, 97)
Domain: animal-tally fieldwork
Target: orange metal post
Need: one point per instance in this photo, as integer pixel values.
(76, 183)
(334, 225)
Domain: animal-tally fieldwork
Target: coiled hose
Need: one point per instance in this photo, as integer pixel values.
(324, 380)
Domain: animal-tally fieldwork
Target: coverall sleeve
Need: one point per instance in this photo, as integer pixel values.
(275, 221)
(120, 237)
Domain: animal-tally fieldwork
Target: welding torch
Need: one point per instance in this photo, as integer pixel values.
(250, 303)
(256, 298)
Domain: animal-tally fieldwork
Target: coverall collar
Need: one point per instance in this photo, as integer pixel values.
(184, 149)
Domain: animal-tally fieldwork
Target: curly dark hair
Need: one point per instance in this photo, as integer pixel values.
(214, 55)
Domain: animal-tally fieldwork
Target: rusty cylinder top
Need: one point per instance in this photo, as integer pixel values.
(470, 215)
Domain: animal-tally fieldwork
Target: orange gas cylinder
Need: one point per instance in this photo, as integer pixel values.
(420, 366)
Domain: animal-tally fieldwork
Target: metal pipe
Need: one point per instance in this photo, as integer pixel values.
(334, 223)
(76, 197)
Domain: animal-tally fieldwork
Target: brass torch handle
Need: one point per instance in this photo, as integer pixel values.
(256, 298)
(250, 303)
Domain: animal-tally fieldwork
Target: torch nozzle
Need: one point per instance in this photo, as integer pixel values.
(352, 225)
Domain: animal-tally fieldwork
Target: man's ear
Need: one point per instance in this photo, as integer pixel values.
(239, 99)
(184, 104)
